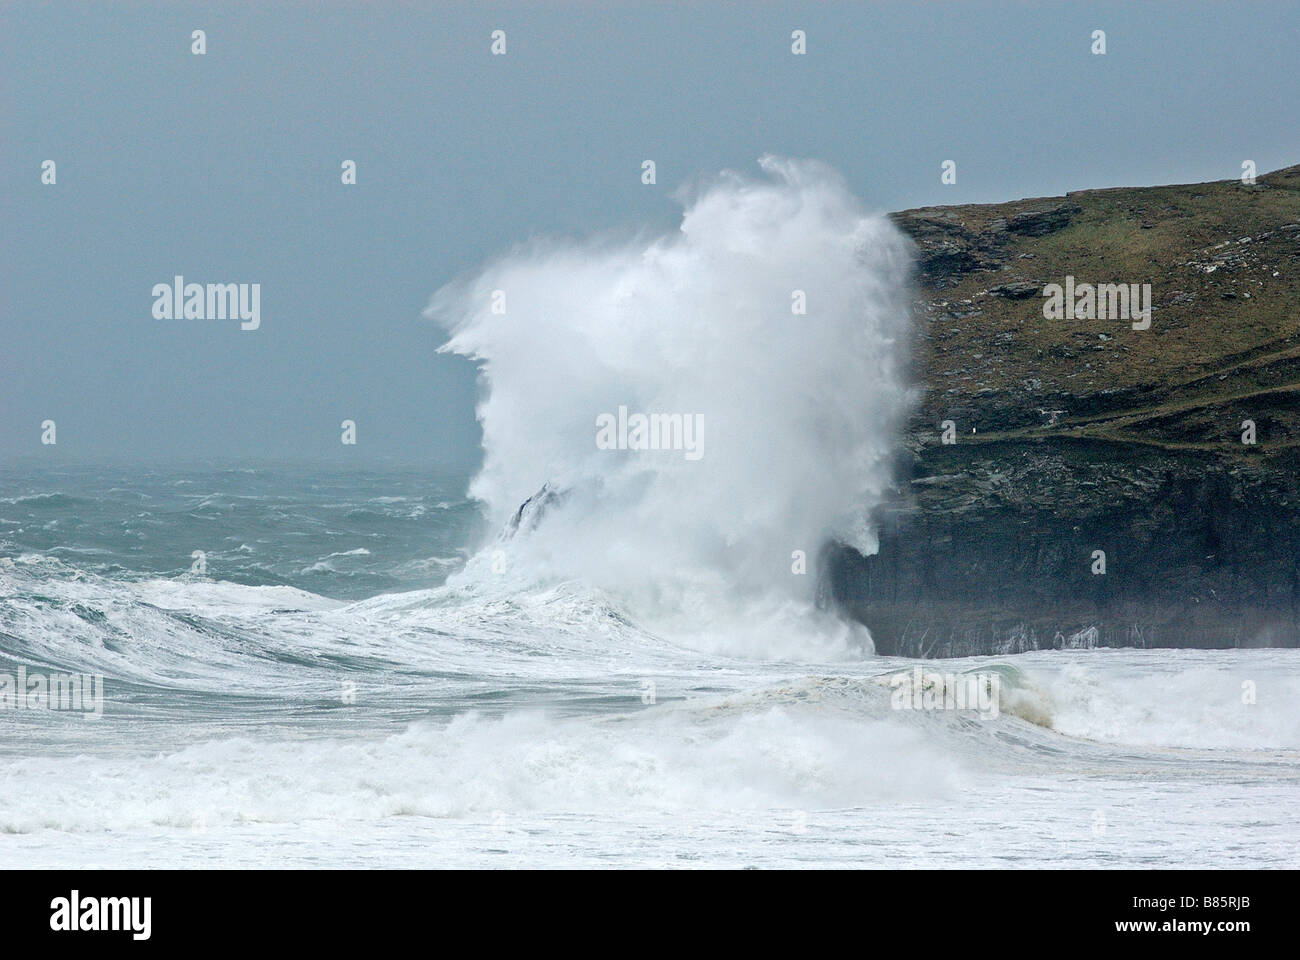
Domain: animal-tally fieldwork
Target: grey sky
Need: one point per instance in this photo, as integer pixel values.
(226, 167)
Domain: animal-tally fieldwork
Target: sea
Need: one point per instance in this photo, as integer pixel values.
(322, 666)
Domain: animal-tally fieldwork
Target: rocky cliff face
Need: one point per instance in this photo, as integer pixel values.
(1084, 445)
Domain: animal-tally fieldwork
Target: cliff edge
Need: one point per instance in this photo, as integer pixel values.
(1086, 480)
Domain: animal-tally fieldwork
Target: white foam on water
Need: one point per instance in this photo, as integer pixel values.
(715, 755)
(1229, 699)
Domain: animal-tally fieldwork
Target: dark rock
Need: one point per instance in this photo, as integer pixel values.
(987, 545)
(1017, 290)
(1040, 221)
(532, 510)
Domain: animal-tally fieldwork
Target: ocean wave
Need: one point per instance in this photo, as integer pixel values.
(797, 409)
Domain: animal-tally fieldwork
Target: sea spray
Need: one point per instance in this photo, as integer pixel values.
(775, 319)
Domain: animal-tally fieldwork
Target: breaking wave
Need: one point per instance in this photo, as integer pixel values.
(796, 411)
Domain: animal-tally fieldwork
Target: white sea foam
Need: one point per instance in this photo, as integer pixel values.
(1175, 698)
(799, 411)
(666, 759)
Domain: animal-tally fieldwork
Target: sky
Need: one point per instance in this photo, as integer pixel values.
(226, 167)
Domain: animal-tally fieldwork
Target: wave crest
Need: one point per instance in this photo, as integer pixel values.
(799, 410)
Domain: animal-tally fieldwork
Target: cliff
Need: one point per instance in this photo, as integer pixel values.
(1072, 436)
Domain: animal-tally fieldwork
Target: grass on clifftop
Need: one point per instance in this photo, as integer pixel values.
(1223, 261)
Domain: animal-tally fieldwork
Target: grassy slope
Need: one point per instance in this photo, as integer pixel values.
(1224, 343)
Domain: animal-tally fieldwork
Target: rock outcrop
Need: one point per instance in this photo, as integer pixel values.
(1085, 445)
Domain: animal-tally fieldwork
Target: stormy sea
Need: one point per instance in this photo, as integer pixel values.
(608, 645)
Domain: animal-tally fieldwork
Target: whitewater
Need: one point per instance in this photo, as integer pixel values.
(595, 657)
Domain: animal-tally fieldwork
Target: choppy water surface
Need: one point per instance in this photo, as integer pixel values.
(321, 695)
